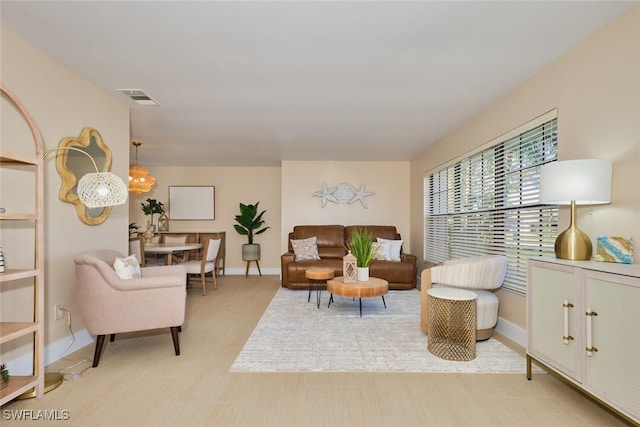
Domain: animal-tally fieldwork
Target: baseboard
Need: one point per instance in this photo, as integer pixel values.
(23, 365)
(253, 271)
(512, 331)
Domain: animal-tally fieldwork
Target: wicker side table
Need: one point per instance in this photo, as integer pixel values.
(452, 323)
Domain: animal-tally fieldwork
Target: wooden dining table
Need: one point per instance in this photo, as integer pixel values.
(170, 248)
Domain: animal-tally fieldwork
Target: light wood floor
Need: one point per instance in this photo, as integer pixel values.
(140, 382)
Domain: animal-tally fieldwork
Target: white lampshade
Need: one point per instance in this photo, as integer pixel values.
(101, 189)
(587, 182)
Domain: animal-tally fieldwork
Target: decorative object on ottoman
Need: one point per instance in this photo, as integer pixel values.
(1, 261)
(349, 268)
(452, 324)
(248, 224)
(361, 246)
(614, 249)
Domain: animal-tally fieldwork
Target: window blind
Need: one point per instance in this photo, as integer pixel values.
(488, 203)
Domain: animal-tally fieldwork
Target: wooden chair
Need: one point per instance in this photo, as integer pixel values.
(203, 238)
(136, 247)
(177, 239)
(208, 264)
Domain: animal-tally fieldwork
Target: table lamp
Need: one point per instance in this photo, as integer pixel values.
(575, 182)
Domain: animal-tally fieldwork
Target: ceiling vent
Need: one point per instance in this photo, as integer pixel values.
(139, 96)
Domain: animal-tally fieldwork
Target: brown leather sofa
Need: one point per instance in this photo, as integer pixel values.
(331, 240)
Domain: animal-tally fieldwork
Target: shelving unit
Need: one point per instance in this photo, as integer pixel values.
(32, 223)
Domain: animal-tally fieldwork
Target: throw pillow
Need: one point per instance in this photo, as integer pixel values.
(380, 251)
(127, 268)
(305, 249)
(392, 248)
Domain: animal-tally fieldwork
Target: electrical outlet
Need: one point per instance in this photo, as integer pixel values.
(59, 311)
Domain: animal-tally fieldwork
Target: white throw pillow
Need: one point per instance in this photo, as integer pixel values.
(392, 248)
(305, 249)
(127, 268)
(381, 251)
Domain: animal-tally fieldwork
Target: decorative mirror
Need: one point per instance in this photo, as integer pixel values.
(72, 165)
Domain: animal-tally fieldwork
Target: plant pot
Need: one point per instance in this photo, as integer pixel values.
(363, 274)
(251, 252)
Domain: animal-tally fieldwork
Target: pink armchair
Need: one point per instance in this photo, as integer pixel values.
(110, 305)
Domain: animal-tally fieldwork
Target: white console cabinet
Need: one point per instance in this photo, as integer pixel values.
(583, 322)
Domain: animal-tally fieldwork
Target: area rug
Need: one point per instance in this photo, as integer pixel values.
(294, 335)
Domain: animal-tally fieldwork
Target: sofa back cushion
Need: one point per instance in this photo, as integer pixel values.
(329, 238)
(388, 232)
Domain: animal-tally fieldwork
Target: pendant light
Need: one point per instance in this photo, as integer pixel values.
(140, 181)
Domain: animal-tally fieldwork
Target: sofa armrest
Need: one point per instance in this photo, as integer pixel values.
(158, 279)
(425, 285)
(408, 258)
(285, 259)
(164, 270)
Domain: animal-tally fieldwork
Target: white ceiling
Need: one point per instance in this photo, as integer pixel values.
(255, 83)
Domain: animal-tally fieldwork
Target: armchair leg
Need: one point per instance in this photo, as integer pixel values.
(112, 338)
(176, 342)
(96, 354)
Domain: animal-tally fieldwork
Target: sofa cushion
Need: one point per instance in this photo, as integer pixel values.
(380, 251)
(127, 268)
(329, 238)
(305, 249)
(392, 249)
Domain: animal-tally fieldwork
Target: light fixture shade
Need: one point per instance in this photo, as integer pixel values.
(101, 189)
(140, 181)
(587, 182)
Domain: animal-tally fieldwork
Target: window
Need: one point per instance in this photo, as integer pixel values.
(488, 203)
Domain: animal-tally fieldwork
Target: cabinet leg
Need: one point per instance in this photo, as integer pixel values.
(528, 367)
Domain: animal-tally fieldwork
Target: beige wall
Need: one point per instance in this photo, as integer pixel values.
(596, 88)
(62, 104)
(233, 185)
(389, 206)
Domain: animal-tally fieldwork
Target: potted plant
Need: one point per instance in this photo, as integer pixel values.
(249, 224)
(361, 247)
(4, 372)
(152, 207)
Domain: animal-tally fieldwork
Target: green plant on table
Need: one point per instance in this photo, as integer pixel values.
(361, 247)
(152, 207)
(4, 372)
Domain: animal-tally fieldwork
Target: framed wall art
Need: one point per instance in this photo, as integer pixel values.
(191, 202)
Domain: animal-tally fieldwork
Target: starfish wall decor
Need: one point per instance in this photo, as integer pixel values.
(343, 193)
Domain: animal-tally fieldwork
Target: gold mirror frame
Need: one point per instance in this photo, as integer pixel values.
(101, 154)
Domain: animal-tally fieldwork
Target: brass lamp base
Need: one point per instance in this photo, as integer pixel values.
(572, 243)
(51, 381)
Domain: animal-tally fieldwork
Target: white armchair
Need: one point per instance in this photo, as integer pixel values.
(479, 275)
(111, 305)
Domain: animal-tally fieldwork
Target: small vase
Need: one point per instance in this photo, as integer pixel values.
(363, 274)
